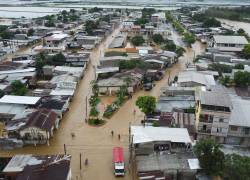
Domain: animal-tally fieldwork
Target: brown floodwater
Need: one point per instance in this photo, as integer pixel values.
(96, 143)
(236, 25)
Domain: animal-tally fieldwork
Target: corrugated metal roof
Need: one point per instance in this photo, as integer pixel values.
(26, 100)
(146, 134)
(230, 39)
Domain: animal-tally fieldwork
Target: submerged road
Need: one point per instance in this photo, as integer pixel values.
(96, 143)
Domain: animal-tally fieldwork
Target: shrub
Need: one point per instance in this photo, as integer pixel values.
(96, 121)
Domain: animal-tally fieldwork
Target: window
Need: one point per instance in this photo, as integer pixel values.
(234, 128)
(247, 130)
(221, 120)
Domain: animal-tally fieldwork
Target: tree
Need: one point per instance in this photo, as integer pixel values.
(242, 78)
(39, 63)
(239, 66)
(237, 167)
(140, 21)
(210, 156)
(220, 68)
(246, 51)
(6, 34)
(189, 38)
(241, 32)
(90, 26)
(170, 45)
(180, 51)
(58, 59)
(18, 88)
(95, 88)
(147, 104)
(2, 93)
(157, 38)
(137, 40)
(211, 22)
(30, 32)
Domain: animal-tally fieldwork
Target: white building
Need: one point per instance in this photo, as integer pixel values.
(229, 43)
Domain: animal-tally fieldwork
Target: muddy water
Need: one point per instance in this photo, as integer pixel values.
(96, 143)
(236, 25)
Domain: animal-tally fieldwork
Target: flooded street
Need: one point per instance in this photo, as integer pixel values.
(236, 25)
(96, 143)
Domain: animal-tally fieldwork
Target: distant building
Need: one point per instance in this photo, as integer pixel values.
(23, 167)
(229, 43)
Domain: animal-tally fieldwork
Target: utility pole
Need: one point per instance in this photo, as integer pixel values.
(86, 101)
(80, 161)
(65, 151)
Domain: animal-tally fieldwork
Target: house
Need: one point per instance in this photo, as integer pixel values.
(22, 100)
(239, 123)
(213, 111)
(158, 17)
(88, 42)
(59, 104)
(73, 71)
(228, 43)
(23, 167)
(112, 61)
(78, 59)
(194, 79)
(119, 41)
(39, 127)
(55, 39)
(113, 84)
(167, 151)
(23, 75)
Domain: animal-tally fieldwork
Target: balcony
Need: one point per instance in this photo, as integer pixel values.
(204, 131)
(205, 120)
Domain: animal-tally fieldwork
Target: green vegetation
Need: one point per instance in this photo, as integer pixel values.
(169, 46)
(96, 122)
(5, 33)
(141, 21)
(158, 39)
(215, 163)
(137, 40)
(210, 156)
(246, 51)
(121, 97)
(115, 53)
(220, 68)
(94, 100)
(239, 66)
(18, 88)
(146, 104)
(95, 9)
(90, 26)
(237, 14)
(2, 93)
(207, 20)
(226, 81)
(132, 64)
(50, 21)
(189, 38)
(242, 78)
(237, 167)
(30, 32)
(147, 12)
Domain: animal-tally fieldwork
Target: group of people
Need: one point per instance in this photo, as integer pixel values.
(112, 134)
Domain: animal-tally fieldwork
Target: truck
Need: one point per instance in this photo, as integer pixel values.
(118, 160)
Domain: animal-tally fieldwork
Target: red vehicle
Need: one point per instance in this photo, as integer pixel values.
(118, 160)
